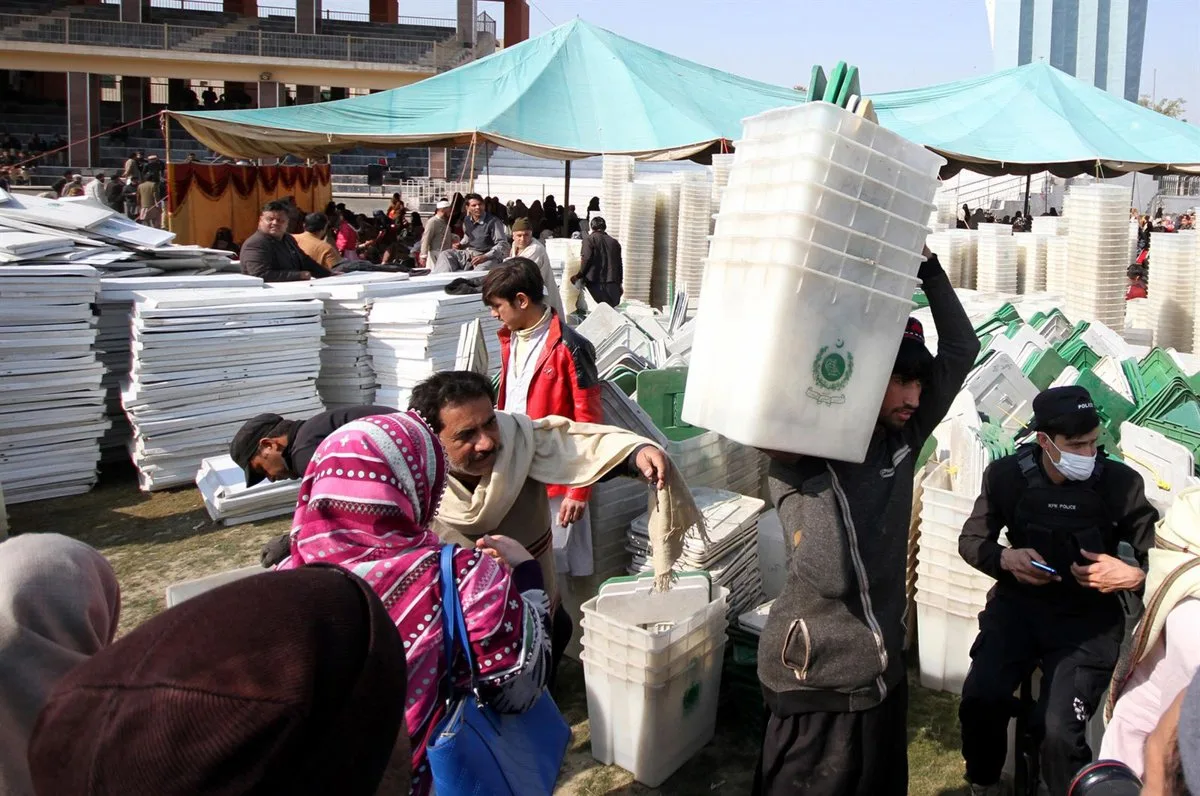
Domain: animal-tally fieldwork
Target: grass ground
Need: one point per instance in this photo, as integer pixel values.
(154, 540)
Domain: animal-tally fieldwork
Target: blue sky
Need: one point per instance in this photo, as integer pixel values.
(896, 43)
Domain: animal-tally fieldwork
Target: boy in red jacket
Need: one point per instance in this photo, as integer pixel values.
(546, 369)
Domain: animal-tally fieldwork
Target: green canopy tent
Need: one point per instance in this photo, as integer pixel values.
(1036, 118)
(576, 91)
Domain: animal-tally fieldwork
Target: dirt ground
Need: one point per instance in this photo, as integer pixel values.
(154, 540)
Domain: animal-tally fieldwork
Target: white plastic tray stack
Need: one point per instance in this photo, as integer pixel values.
(222, 485)
(722, 164)
(113, 342)
(616, 173)
(564, 254)
(731, 554)
(638, 211)
(695, 224)
(52, 415)
(666, 240)
(206, 361)
(1058, 259)
(997, 261)
(1173, 288)
(817, 200)
(1031, 262)
(347, 376)
(1098, 253)
(413, 336)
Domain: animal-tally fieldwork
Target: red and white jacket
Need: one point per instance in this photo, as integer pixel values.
(564, 383)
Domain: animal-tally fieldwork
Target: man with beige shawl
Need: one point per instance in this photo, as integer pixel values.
(501, 463)
(1165, 653)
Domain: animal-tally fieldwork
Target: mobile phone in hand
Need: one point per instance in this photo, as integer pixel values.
(1044, 567)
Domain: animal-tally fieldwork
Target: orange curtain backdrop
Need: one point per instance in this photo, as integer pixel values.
(203, 198)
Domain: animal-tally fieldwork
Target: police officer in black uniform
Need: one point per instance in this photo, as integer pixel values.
(1066, 507)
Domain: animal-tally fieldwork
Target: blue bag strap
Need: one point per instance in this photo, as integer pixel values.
(454, 624)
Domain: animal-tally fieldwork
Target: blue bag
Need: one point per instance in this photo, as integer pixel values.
(475, 751)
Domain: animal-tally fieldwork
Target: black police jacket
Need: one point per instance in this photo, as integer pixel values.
(1057, 520)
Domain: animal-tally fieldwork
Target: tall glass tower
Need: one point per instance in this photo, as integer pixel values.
(1095, 40)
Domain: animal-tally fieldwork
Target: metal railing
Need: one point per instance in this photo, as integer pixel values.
(1179, 185)
(219, 41)
(485, 24)
(214, 6)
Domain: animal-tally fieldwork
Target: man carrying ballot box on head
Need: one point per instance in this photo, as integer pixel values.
(831, 657)
(1066, 506)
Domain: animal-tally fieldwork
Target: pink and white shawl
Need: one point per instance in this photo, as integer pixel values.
(366, 502)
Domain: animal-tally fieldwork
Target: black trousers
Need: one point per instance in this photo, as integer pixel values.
(561, 630)
(606, 292)
(1076, 653)
(864, 753)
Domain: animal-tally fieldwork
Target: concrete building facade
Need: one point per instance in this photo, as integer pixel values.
(1099, 41)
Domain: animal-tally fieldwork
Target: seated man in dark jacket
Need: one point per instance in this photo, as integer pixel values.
(272, 254)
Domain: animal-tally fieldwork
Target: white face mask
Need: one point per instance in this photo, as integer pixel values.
(1073, 466)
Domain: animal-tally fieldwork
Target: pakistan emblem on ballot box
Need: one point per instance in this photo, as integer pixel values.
(831, 371)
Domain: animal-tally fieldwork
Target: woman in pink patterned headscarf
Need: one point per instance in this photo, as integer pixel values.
(365, 505)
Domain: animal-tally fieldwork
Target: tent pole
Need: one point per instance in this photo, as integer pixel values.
(487, 165)
(167, 143)
(471, 168)
(566, 194)
(1028, 181)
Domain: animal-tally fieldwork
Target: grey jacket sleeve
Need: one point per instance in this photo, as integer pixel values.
(957, 349)
(500, 247)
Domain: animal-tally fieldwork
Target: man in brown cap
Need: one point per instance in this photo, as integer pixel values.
(525, 245)
(286, 682)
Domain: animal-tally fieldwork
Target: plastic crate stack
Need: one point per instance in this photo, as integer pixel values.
(564, 254)
(695, 223)
(1050, 225)
(968, 241)
(951, 252)
(731, 554)
(53, 414)
(638, 212)
(997, 269)
(721, 166)
(616, 172)
(1172, 297)
(1031, 263)
(652, 668)
(666, 240)
(818, 200)
(1098, 253)
(950, 592)
(205, 361)
(1057, 266)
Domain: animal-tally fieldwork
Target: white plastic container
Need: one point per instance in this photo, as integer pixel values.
(946, 629)
(1003, 392)
(647, 723)
(623, 613)
(186, 590)
(807, 386)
